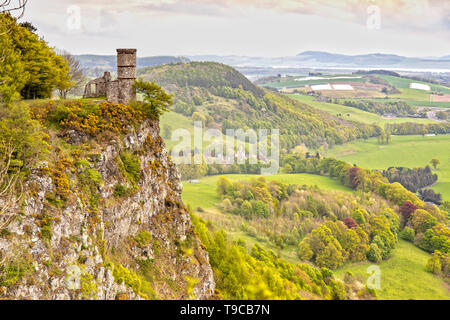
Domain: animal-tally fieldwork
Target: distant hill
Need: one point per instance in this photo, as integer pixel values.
(226, 99)
(359, 60)
(95, 65)
(319, 59)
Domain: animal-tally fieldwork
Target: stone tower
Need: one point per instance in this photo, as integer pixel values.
(119, 90)
(126, 74)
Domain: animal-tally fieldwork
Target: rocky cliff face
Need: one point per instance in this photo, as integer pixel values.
(109, 239)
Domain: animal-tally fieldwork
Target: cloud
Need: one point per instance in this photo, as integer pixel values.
(246, 26)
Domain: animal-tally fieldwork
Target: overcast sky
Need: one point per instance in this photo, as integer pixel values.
(245, 27)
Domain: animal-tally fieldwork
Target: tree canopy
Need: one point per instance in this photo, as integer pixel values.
(28, 67)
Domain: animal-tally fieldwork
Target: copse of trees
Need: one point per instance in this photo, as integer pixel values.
(333, 243)
(348, 233)
(397, 108)
(29, 68)
(411, 179)
(430, 229)
(411, 128)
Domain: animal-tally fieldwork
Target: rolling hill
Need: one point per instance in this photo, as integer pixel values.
(225, 99)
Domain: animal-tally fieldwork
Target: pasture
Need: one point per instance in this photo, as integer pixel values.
(353, 114)
(403, 276)
(405, 151)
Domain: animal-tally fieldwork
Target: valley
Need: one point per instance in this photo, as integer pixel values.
(138, 173)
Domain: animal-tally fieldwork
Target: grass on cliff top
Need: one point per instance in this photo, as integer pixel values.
(404, 275)
(403, 151)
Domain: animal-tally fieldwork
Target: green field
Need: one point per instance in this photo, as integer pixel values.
(403, 83)
(404, 276)
(175, 121)
(412, 94)
(290, 82)
(411, 102)
(353, 114)
(203, 194)
(406, 151)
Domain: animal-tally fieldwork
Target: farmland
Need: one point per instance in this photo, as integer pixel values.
(294, 82)
(403, 276)
(365, 89)
(353, 114)
(406, 151)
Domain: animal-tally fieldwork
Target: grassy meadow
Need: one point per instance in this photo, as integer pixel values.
(406, 151)
(291, 82)
(353, 114)
(203, 194)
(403, 276)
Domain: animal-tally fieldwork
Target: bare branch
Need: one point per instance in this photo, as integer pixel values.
(13, 7)
(11, 188)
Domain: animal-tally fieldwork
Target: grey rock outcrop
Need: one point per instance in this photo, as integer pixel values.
(77, 257)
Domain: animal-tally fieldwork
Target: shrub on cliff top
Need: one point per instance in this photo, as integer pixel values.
(156, 100)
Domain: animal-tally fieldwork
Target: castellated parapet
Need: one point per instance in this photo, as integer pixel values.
(120, 90)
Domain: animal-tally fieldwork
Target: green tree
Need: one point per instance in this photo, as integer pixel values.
(374, 254)
(407, 234)
(434, 263)
(156, 100)
(246, 209)
(305, 252)
(12, 70)
(223, 184)
(435, 163)
(331, 257)
(40, 69)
